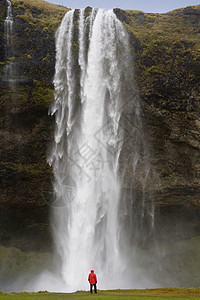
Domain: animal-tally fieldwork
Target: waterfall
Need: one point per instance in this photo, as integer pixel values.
(8, 23)
(8, 28)
(95, 106)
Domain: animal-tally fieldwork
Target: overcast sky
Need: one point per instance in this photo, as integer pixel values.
(159, 6)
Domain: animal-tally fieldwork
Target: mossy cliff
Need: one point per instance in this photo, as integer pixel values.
(167, 61)
(166, 52)
(26, 74)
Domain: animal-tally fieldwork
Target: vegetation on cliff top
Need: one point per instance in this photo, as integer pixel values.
(168, 56)
(39, 13)
(176, 25)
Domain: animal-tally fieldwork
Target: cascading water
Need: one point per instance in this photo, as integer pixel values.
(8, 23)
(8, 28)
(94, 92)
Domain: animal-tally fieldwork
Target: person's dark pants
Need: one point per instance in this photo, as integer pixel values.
(95, 288)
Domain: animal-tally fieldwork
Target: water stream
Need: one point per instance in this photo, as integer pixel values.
(8, 23)
(94, 97)
(10, 75)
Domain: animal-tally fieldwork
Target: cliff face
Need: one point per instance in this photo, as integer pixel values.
(26, 74)
(27, 90)
(2, 17)
(167, 61)
(166, 51)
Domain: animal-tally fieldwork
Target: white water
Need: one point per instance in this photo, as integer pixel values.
(8, 23)
(8, 28)
(99, 146)
(89, 136)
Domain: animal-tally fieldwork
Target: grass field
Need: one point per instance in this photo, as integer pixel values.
(149, 294)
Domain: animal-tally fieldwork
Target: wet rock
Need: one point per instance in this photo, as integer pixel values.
(35, 13)
(121, 14)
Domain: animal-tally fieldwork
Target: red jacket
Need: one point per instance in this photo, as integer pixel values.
(92, 278)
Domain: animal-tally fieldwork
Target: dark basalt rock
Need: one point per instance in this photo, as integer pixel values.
(141, 18)
(35, 13)
(121, 14)
(191, 11)
(2, 18)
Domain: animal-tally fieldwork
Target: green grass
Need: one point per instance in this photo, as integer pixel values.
(167, 56)
(167, 293)
(174, 26)
(49, 17)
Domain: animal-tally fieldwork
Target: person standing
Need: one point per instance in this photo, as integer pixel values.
(92, 278)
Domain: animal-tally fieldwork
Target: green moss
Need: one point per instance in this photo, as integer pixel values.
(167, 58)
(39, 95)
(33, 169)
(46, 58)
(48, 16)
(42, 93)
(10, 59)
(174, 26)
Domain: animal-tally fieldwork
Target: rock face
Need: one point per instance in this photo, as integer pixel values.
(26, 74)
(167, 61)
(166, 53)
(2, 17)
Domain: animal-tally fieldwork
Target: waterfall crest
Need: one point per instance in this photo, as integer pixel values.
(94, 92)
